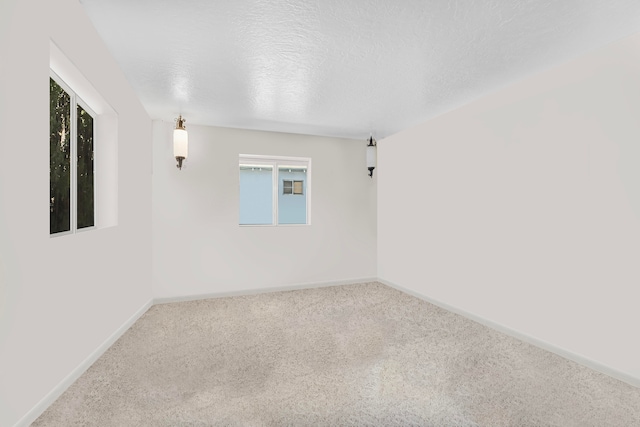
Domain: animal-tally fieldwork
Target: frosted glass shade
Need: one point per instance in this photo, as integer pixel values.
(180, 143)
(371, 156)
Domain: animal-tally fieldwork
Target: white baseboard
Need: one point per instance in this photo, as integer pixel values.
(256, 291)
(589, 363)
(57, 391)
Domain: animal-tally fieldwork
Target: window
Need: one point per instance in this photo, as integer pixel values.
(71, 160)
(274, 190)
(292, 187)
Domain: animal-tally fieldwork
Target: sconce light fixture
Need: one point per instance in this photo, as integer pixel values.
(180, 142)
(371, 155)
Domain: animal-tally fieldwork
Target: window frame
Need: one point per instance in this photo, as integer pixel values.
(74, 102)
(292, 188)
(275, 162)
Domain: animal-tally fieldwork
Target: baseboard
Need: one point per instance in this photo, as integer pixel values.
(57, 391)
(589, 363)
(256, 291)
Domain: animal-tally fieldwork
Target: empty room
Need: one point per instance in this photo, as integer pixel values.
(320, 213)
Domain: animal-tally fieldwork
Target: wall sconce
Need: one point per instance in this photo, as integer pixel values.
(180, 142)
(371, 155)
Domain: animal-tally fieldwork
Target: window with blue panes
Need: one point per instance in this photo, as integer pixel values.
(274, 190)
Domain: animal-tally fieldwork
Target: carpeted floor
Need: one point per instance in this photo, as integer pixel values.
(356, 355)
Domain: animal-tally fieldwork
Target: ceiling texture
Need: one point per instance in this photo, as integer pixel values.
(339, 67)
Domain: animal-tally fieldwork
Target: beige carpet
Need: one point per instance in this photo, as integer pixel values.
(357, 355)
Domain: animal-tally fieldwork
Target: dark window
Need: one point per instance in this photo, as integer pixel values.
(71, 158)
(59, 159)
(85, 169)
(292, 187)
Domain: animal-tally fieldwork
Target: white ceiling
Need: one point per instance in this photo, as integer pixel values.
(339, 67)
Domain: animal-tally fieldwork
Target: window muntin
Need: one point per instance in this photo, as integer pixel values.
(274, 190)
(71, 160)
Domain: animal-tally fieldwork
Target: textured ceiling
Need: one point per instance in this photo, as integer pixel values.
(338, 67)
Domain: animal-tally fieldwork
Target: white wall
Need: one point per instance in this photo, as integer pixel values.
(523, 208)
(61, 298)
(198, 246)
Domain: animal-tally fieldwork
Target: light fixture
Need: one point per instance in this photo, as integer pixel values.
(371, 155)
(180, 142)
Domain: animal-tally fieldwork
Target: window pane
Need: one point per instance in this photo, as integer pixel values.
(287, 187)
(256, 195)
(59, 159)
(85, 169)
(292, 208)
